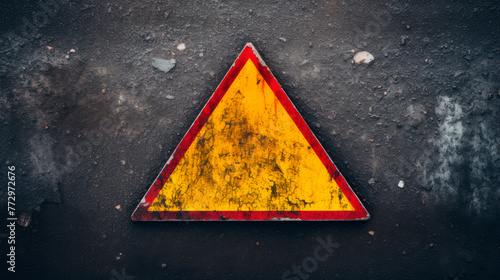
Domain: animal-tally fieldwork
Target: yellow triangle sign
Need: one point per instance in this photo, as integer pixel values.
(250, 156)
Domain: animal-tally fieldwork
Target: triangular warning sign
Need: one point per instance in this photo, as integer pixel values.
(249, 155)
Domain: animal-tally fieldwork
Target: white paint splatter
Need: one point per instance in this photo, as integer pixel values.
(466, 160)
(483, 178)
(447, 144)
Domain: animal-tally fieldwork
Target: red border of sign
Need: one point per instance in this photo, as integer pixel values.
(141, 213)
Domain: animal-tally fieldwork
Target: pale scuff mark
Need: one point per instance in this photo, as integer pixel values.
(45, 168)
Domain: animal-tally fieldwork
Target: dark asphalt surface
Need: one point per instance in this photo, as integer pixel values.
(89, 130)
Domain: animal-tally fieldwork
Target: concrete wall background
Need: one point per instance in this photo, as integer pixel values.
(90, 132)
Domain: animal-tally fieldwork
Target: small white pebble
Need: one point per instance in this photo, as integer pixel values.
(401, 184)
(371, 232)
(118, 207)
(72, 51)
(181, 46)
(363, 57)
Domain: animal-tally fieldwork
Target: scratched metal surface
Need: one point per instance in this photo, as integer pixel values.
(89, 133)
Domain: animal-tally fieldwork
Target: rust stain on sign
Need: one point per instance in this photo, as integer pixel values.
(250, 156)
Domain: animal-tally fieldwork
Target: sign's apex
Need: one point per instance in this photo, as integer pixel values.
(249, 44)
(255, 52)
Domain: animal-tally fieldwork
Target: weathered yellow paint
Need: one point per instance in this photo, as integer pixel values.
(250, 156)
